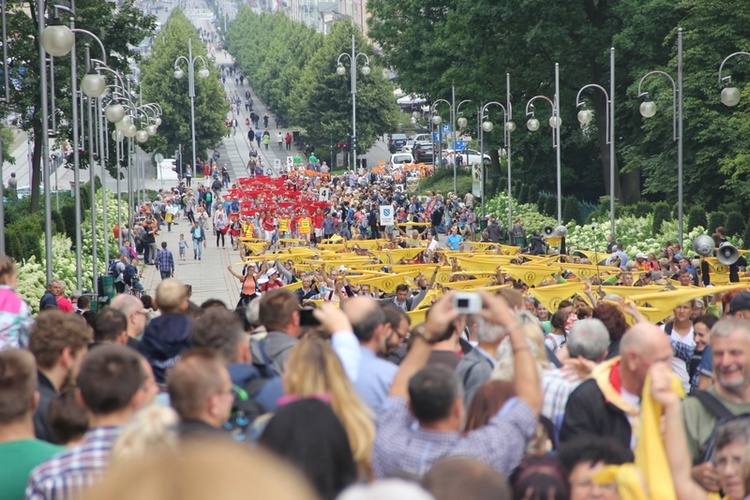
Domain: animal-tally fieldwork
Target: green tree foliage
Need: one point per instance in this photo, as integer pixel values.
(159, 85)
(426, 43)
(715, 219)
(120, 26)
(550, 206)
(293, 69)
(734, 225)
(696, 217)
(661, 214)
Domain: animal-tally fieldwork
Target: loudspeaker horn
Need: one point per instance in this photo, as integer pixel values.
(548, 231)
(727, 254)
(561, 232)
(703, 245)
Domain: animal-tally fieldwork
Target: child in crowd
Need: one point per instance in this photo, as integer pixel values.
(183, 246)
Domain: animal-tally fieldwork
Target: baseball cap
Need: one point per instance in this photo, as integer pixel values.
(739, 302)
(640, 255)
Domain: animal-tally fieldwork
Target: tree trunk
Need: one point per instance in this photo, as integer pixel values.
(36, 171)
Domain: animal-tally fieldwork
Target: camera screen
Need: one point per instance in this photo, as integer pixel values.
(462, 303)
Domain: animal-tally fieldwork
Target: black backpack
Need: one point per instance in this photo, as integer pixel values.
(130, 274)
(113, 270)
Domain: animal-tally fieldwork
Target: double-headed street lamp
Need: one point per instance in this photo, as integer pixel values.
(648, 109)
(585, 116)
(341, 71)
(462, 122)
(202, 73)
(508, 127)
(555, 122)
(58, 40)
(730, 95)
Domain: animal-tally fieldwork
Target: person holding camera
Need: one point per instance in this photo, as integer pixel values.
(431, 395)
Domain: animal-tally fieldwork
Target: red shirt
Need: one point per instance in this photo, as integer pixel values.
(268, 223)
(65, 305)
(318, 221)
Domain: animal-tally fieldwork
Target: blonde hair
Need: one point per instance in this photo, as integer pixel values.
(314, 368)
(151, 429)
(203, 469)
(534, 338)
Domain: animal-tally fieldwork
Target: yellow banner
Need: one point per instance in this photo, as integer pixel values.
(529, 274)
(551, 296)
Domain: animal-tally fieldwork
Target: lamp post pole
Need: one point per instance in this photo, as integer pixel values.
(555, 122)
(648, 109)
(585, 116)
(202, 73)
(41, 8)
(353, 84)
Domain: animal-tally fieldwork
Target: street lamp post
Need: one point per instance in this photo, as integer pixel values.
(554, 122)
(202, 73)
(508, 126)
(341, 71)
(585, 116)
(438, 120)
(730, 95)
(648, 109)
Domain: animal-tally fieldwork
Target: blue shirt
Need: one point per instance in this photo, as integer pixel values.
(454, 240)
(374, 379)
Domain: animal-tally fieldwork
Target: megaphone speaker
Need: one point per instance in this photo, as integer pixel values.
(548, 231)
(703, 245)
(727, 255)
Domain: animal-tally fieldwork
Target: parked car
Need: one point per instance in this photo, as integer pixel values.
(423, 153)
(416, 139)
(399, 140)
(467, 157)
(402, 159)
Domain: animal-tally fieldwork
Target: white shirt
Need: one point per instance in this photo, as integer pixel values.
(678, 365)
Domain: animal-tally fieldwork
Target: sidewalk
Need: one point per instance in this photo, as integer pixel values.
(209, 277)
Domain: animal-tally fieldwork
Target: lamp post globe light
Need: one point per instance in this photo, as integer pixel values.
(648, 110)
(585, 117)
(555, 123)
(730, 95)
(508, 127)
(341, 71)
(203, 73)
(454, 120)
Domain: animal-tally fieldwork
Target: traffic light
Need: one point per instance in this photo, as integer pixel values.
(349, 144)
(353, 143)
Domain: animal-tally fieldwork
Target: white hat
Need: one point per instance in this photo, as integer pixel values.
(262, 280)
(640, 255)
(272, 271)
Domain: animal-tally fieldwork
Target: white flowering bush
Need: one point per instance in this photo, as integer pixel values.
(111, 222)
(635, 233)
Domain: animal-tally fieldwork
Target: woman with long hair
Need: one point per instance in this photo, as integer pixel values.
(314, 370)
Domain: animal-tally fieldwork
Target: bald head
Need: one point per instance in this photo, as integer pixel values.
(642, 346)
(365, 315)
(126, 304)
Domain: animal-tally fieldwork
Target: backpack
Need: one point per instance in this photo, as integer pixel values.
(503, 233)
(722, 414)
(217, 185)
(114, 271)
(244, 410)
(130, 274)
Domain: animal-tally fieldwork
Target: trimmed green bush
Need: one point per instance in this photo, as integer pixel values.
(540, 202)
(734, 224)
(642, 209)
(661, 214)
(715, 219)
(571, 210)
(68, 213)
(58, 224)
(696, 217)
(550, 206)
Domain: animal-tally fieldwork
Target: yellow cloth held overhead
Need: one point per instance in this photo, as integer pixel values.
(650, 455)
(667, 301)
(532, 275)
(627, 479)
(551, 296)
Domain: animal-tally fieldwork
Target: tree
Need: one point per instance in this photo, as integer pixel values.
(160, 85)
(120, 27)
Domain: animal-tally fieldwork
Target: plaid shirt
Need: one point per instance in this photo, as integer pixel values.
(556, 388)
(165, 260)
(400, 448)
(66, 475)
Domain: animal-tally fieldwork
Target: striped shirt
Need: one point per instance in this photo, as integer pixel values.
(67, 475)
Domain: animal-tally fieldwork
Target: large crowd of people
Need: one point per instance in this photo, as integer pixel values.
(386, 344)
